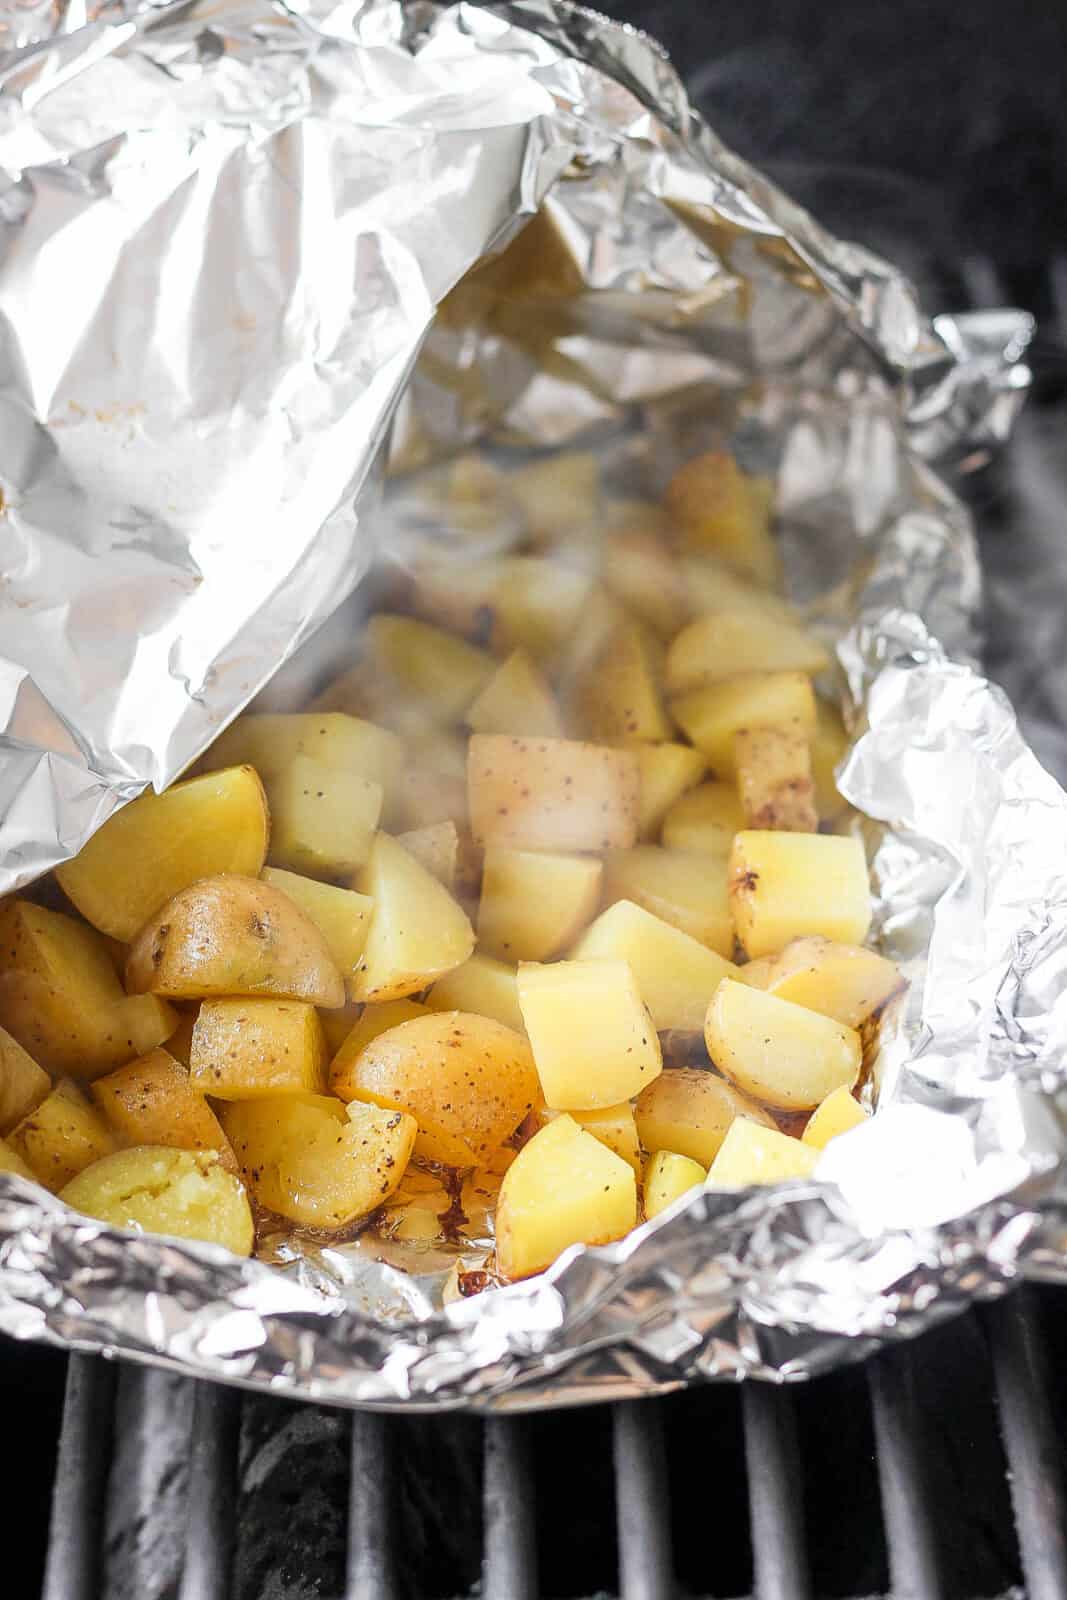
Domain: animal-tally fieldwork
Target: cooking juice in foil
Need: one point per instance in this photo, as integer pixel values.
(276, 284)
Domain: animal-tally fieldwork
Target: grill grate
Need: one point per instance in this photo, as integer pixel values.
(270, 1499)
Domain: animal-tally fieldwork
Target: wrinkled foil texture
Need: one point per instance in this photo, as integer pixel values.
(226, 230)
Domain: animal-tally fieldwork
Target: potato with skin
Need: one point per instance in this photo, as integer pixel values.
(468, 1082)
(675, 975)
(62, 1137)
(565, 1187)
(375, 1019)
(483, 985)
(161, 843)
(322, 821)
(784, 886)
(269, 742)
(249, 1049)
(153, 1102)
(689, 1110)
(774, 779)
(667, 1177)
(837, 1114)
(23, 1084)
(704, 821)
(752, 1154)
(845, 981)
(776, 1051)
(722, 509)
(686, 889)
(233, 936)
(668, 771)
(517, 700)
(183, 1194)
(533, 904)
(593, 1041)
(435, 847)
(418, 931)
(552, 794)
(316, 1162)
(729, 643)
(712, 716)
(617, 697)
(341, 915)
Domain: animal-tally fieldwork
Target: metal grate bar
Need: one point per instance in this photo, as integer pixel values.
(509, 1569)
(775, 1490)
(906, 1502)
(212, 1494)
(1031, 1443)
(370, 1571)
(642, 1508)
(72, 1571)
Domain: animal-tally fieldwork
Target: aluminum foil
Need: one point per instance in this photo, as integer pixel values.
(236, 244)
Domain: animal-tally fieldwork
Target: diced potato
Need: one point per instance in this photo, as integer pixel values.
(711, 585)
(688, 1111)
(704, 821)
(641, 571)
(427, 797)
(483, 985)
(845, 981)
(23, 1084)
(728, 644)
(341, 915)
(184, 1194)
(617, 697)
(13, 1163)
(61, 999)
(774, 779)
(667, 1177)
(435, 847)
(317, 1162)
(835, 1115)
(612, 1125)
(61, 1137)
(552, 794)
(322, 822)
(534, 905)
(676, 976)
(686, 889)
(712, 716)
(152, 1101)
(720, 508)
(161, 843)
(517, 700)
(417, 933)
(786, 885)
(593, 1041)
(667, 772)
(565, 1187)
(247, 1049)
(468, 1082)
(423, 663)
(345, 744)
(777, 1051)
(829, 747)
(559, 496)
(753, 1154)
(374, 1020)
(536, 605)
(233, 936)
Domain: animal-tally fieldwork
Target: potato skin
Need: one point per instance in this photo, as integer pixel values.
(552, 794)
(467, 1080)
(231, 935)
(186, 1194)
(153, 1102)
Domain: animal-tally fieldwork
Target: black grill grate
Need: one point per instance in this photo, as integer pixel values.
(891, 1478)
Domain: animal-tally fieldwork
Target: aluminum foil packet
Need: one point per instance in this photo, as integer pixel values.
(254, 255)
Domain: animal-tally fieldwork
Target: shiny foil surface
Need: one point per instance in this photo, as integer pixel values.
(227, 230)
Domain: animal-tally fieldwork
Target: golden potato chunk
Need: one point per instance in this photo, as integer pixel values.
(774, 779)
(688, 1110)
(517, 700)
(617, 696)
(184, 1194)
(270, 743)
(435, 847)
(565, 1187)
(534, 903)
(612, 1125)
(152, 1101)
(785, 885)
(535, 605)
(704, 821)
(720, 508)
(667, 771)
(247, 1049)
(835, 1115)
(61, 1137)
(593, 1041)
(685, 888)
(317, 1162)
(552, 794)
(233, 936)
(711, 585)
(713, 716)
(341, 915)
(468, 1082)
(845, 981)
(728, 644)
(13, 1163)
(676, 976)
(161, 843)
(23, 1084)
(640, 569)
(483, 985)
(417, 662)
(559, 496)
(417, 932)
(375, 1019)
(322, 821)
(754, 1154)
(667, 1177)
(779, 1052)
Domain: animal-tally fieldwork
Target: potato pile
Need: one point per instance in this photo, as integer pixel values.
(546, 911)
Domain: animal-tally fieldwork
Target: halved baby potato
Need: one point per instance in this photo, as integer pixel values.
(688, 1110)
(341, 915)
(776, 1051)
(845, 981)
(418, 931)
(184, 1194)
